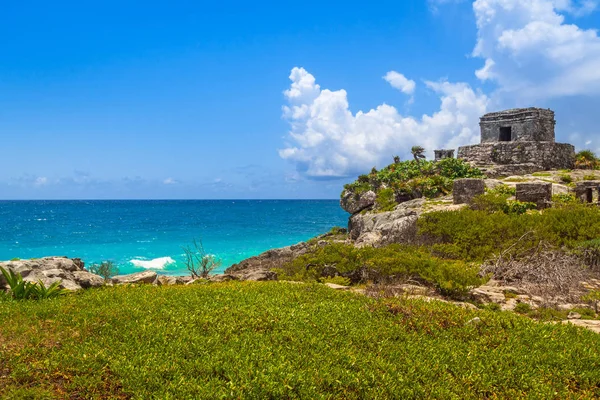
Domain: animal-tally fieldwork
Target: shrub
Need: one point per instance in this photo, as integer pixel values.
(23, 290)
(566, 178)
(592, 297)
(586, 159)
(386, 200)
(503, 190)
(564, 199)
(338, 280)
(198, 262)
(522, 308)
(490, 202)
(393, 262)
(474, 235)
(590, 177)
(518, 207)
(106, 269)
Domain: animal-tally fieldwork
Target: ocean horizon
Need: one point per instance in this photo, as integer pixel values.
(138, 235)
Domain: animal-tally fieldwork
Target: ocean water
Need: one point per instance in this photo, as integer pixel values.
(141, 235)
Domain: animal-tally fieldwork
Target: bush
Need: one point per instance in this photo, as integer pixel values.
(393, 262)
(586, 159)
(413, 179)
(565, 178)
(522, 308)
(490, 202)
(24, 290)
(503, 190)
(106, 269)
(564, 199)
(474, 235)
(198, 262)
(518, 207)
(386, 200)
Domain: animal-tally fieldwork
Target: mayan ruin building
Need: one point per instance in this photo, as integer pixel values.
(518, 141)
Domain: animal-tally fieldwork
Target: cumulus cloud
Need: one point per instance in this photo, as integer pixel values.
(400, 82)
(327, 140)
(531, 51)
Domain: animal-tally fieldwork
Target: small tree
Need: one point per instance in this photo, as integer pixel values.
(396, 159)
(586, 159)
(105, 269)
(417, 152)
(198, 261)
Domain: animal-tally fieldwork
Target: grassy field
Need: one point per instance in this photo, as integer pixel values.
(282, 340)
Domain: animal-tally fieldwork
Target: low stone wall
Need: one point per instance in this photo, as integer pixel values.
(531, 155)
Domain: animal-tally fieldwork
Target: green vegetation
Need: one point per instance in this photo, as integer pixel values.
(566, 178)
(590, 177)
(474, 235)
(593, 297)
(394, 262)
(24, 290)
(586, 159)
(522, 308)
(277, 340)
(541, 174)
(498, 200)
(105, 269)
(412, 179)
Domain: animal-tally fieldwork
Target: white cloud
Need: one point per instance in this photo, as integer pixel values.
(327, 140)
(400, 82)
(40, 181)
(170, 181)
(531, 52)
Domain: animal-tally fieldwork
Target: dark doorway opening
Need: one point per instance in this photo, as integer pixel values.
(505, 134)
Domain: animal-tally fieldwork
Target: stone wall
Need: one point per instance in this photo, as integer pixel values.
(527, 124)
(534, 155)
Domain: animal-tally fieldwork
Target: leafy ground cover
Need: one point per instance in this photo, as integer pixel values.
(412, 179)
(282, 340)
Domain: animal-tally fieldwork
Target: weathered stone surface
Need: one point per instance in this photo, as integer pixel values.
(270, 259)
(222, 278)
(519, 158)
(165, 280)
(337, 287)
(139, 277)
(464, 190)
(87, 280)
(587, 191)
(592, 325)
(256, 275)
(520, 124)
(399, 226)
(443, 154)
(69, 272)
(353, 203)
(538, 193)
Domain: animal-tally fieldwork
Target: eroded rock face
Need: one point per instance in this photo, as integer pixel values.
(353, 203)
(465, 190)
(70, 272)
(538, 193)
(268, 260)
(139, 277)
(398, 226)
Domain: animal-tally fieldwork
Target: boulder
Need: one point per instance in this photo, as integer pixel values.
(537, 192)
(69, 272)
(222, 278)
(255, 275)
(139, 277)
(164, 280)
(465, 190)
(398, 226)
(355, 203)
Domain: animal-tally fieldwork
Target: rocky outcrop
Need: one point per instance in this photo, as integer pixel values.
(538, 193)
(139, 277)
(268, 260)
(69, 272)
(465, 190)
(355, 203)
(380, 229)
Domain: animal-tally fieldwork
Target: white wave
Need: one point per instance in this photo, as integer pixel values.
(157, 263)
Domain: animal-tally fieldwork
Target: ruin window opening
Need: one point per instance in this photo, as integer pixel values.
(505, 134)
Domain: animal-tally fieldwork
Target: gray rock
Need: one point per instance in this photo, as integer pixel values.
(399, 226)
(337, 287)
(139, 277)
(164, 280)
(539, 193)
(574, 315)
(354, 203)
(256, 275)
(465, 190)
(222, 278)
(87, 280)
(474, 321)
(69, 272)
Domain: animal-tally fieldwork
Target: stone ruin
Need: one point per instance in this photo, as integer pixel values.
(518, 141)
(443, 153)
(588, 191)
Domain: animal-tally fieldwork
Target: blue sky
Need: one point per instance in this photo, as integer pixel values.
(271, 99)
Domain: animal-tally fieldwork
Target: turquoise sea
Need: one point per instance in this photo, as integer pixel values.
(140, 235)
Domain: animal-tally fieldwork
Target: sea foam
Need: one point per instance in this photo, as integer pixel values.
(157, 263)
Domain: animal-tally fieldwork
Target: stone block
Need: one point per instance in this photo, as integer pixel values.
(464, 190)
(539, 193)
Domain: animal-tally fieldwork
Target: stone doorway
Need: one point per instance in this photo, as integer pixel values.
(505, 134)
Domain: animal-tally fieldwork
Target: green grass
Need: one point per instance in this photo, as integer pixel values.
(277, 340)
